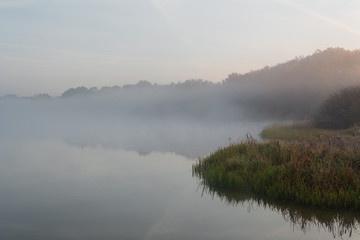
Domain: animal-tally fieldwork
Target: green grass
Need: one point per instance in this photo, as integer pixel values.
(316, 172)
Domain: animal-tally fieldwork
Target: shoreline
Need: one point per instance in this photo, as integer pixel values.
(318, 168)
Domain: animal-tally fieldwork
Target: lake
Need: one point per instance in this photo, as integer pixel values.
(132, 179)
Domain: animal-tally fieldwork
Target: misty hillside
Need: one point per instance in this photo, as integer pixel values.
(290, 90)
(145, 117)
(297, 87)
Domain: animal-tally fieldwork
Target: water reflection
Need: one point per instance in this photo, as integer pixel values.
(51, 190)
(340, 223)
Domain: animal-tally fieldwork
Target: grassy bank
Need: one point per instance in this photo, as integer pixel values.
(311, 171)
(300, 131)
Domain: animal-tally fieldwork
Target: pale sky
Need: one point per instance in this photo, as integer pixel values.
(48, 46)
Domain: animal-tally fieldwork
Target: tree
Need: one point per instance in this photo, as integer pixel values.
(341, 110)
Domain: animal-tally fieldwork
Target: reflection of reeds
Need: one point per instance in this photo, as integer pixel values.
(338, 223)
(311, 172)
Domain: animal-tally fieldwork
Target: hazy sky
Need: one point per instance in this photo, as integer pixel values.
(52, 45)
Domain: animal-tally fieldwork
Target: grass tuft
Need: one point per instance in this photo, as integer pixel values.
(317, 172)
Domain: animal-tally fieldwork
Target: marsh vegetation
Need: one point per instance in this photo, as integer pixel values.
(310, 172)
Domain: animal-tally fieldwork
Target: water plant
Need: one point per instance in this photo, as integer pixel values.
(316, 172)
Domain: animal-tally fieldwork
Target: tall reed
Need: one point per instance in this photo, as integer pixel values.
(311, 172)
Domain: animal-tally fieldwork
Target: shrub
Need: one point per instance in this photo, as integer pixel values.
(341, 110)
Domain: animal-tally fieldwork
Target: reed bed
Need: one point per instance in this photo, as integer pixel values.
(316, 172)
(305, 130)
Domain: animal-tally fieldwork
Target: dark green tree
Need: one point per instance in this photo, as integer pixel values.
(341, 110)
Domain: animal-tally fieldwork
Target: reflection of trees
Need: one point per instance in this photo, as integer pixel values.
(338, 222)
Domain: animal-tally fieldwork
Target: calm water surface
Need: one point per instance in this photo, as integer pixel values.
(66, 186)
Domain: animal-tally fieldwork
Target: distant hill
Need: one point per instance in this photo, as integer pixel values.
(291, 90)
(334, 67)
(297, 87)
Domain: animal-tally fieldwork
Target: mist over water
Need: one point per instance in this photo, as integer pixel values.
(86, 122)
(52, 190)
(90, 168)
(116, 163)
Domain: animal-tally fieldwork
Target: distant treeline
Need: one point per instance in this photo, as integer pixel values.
(292, 90)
